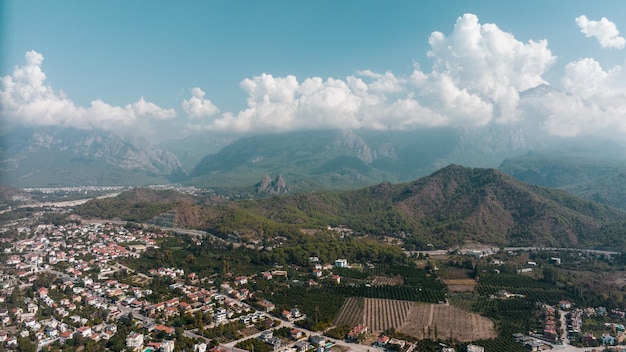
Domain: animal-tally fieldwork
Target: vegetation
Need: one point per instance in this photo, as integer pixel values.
(452, 206)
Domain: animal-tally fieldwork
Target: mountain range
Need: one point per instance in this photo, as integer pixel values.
(306, 160)
(55, 157)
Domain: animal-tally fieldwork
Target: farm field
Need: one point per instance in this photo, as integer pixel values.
(387, 281)
(351, 312)
(445, 321)
(419, 320)
(460, 285)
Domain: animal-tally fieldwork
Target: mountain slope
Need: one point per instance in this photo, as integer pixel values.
(342, 159)
(452, 206)
(51, 157)
(602, 180)
(457, 204)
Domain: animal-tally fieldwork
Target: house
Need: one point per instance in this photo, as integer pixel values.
(295, 334)
(66, 335)
(167, 330)
(341, 263)
(475, 348)
(267, 305)
(302, 346)
(317, 340)
(266, 335)
(167, 346)
(382, 340)
(84, 331)
(134, 341)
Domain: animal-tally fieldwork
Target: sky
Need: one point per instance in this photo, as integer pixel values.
(167, 69)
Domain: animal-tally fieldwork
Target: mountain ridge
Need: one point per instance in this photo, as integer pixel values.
(452, 206)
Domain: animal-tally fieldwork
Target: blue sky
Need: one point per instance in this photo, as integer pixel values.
(242, 67)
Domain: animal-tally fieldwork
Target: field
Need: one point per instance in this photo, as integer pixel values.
(445, 321)
(419, 320)
(460, 285)
(351, 313)
(387, 281)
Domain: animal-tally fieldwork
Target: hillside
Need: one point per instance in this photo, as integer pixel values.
(454, 205)
(601, 180)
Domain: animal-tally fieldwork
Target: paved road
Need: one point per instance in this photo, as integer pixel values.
(350, 346)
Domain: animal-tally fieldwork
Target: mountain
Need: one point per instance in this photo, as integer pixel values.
(277, 186)
(602, 180)
(456, 205)
(52, 157)
(344, 159)
(452, 206)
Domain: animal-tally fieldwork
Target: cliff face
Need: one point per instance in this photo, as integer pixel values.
(277, 186)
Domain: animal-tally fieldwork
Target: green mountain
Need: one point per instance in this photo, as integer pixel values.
(453, 206)
(602, 180)
(346, 159)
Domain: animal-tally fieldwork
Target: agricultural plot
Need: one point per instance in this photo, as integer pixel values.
(387, 281)
(351, 313)
(444, 321)
(382, 314)
(420, 320)
(460, 285)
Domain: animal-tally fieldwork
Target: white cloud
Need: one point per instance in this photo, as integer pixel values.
(594, 101)
(478, 72)
(197, 106)
(604, 30)
(25, 98)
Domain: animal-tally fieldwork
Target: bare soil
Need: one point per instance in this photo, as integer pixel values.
(420, 320)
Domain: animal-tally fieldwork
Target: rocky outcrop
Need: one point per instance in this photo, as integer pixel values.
(277, 186)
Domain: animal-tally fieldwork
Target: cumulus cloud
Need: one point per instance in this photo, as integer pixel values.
(197, 106)
(25, 98)
(479, 71)
(477, 75)
(604, 31)
(280, 104)
(593, 101)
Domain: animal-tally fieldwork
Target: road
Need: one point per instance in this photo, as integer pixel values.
(283, 323)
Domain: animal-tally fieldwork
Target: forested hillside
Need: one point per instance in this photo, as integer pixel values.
(454, 205)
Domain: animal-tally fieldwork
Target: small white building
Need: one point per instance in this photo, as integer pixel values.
(341, 263)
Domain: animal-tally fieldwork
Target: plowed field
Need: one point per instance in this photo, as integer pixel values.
(419, 320)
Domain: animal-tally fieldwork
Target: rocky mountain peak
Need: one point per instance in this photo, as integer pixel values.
(277, 186)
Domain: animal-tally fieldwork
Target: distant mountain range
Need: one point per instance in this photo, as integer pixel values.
(306, 160)
(54, 157)
(453, 206)
(598, 179)
(342, 159)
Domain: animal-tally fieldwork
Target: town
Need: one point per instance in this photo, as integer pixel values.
(66, 285)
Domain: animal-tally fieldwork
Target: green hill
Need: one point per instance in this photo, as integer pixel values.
(453, 206)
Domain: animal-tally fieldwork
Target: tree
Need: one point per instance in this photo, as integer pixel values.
(550, 275)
